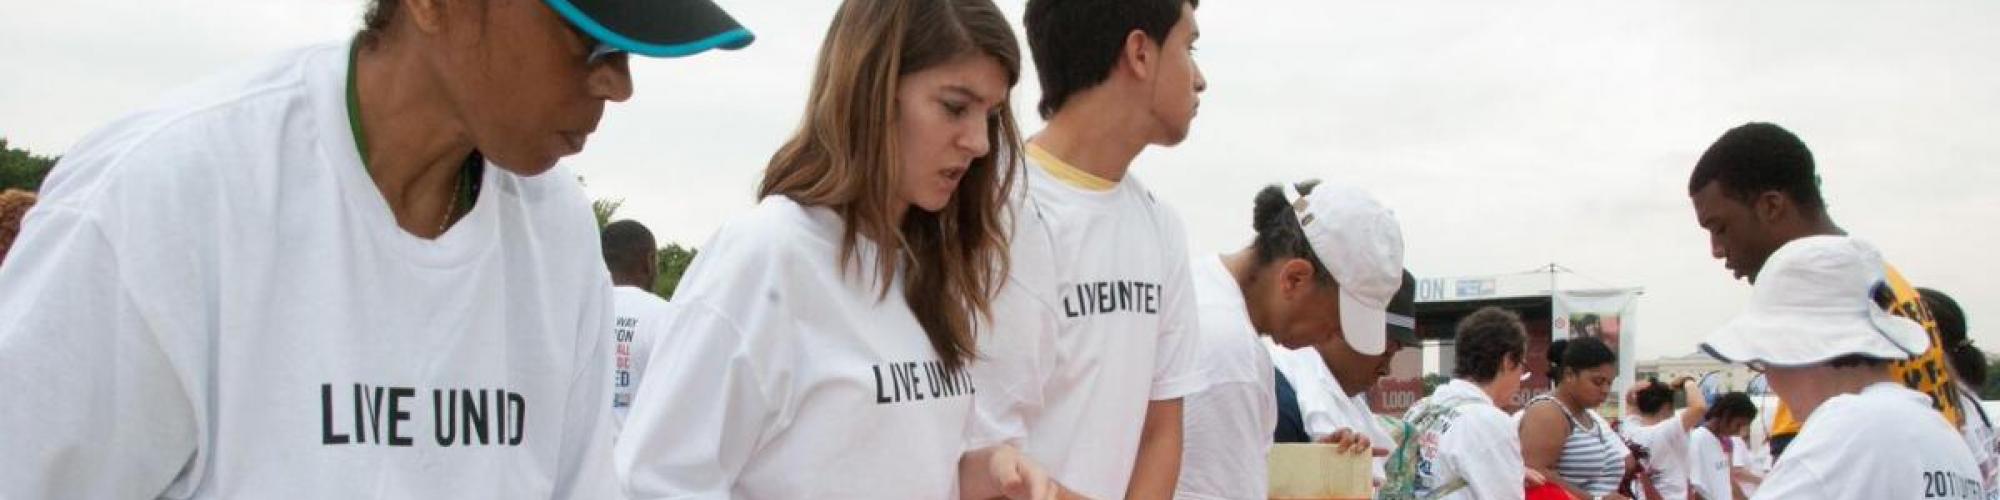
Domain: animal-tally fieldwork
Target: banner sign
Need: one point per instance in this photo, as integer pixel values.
(1608, 315)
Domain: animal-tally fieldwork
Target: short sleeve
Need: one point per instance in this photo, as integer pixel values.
(1019, 351)
(698, 417)
(97, 407)
(1705, 455)
(1176, 373)
(1487, 454)
(584, 469)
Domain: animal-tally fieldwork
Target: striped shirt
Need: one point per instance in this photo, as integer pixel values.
(1593, 457)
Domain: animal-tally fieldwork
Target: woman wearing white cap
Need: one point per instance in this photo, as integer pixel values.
(820, 341)
(1469, 448)
(1278, 286)
(349, 271)
(1814, 328)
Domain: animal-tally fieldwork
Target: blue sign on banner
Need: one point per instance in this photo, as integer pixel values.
(1476, 288)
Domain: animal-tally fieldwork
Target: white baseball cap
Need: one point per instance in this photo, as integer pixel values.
(1814, 301)
(1361, 245)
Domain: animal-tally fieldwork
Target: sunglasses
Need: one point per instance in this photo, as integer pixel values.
(600, 52)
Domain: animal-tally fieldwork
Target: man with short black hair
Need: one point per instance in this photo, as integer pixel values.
(1094, 344)
(631, 256)
(1756, 189)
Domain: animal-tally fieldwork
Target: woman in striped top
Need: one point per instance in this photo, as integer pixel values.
(1562, 436)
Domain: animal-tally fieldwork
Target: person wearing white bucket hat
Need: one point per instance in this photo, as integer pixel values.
(1287, 287)
(1757, 188)
(1814, 327)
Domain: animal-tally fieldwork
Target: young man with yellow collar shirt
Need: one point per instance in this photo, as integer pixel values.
(1096, 326)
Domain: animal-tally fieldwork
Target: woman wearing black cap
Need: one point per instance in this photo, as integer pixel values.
(349, 271)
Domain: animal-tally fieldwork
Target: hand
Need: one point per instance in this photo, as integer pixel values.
(1348, 441)
(1613, 496)
(1020, 478)
(1689, 383)
(1534, 477)
(1632, 393)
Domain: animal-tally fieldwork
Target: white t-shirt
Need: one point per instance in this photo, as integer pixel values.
(1324, 405)
(1885, 442)
(1750, 461)
(213, 300)
(1708, 466)
(789, 375)
(638, 317)
(1227, 427)
(1096, 321)
(1477, 443)
(1980, 437)
(1666, 444)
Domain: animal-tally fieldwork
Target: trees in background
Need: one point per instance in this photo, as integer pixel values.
(21, 169)
(674, 258)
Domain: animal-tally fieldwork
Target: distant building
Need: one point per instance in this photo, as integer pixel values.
(1715, 375)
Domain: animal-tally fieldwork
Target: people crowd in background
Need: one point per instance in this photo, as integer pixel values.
(357, 270)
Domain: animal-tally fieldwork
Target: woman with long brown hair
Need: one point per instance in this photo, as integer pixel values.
(821, 341)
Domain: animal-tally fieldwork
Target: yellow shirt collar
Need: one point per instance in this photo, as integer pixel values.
(1068, 174)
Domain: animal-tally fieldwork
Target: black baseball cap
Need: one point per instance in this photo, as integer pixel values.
(657, 28)
(1402, 313)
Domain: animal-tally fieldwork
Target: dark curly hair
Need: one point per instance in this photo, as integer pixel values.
(380, 14)
(1575, 355)
(1278, 232)
(1485, 340)
(1758, 157)
(376, 21)
(629, 249)
(1732, 405)
(1655, 396)
(14, 205)
(1966, 359)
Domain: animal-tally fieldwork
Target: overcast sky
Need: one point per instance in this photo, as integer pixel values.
(1507, 135)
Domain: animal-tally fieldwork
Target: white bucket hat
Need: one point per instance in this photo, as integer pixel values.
(1361, 245)
(1813, 302)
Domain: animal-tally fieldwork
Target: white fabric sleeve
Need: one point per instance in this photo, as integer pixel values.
(1703, 450)
(643, 338)
(1010, 376)
(97, 407)
(584, 468)
(1320, 418)
(1792, 479)
(1739, 453)
(1175, 370)
(1321, 404)
(1676, 430)
(1489, 457)
(700, 414)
